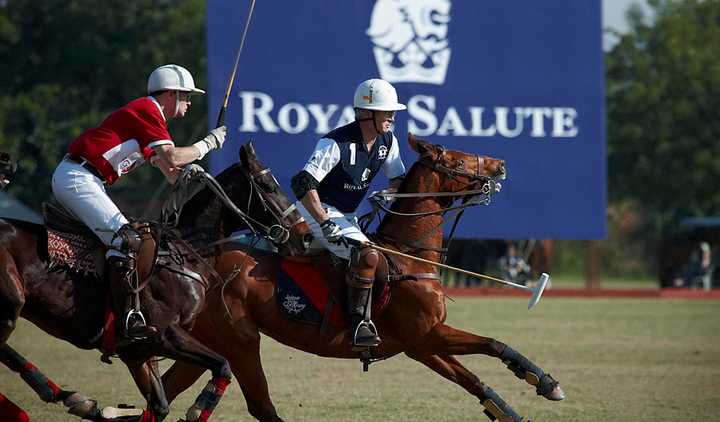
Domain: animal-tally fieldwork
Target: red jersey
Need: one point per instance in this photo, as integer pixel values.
(124, 140)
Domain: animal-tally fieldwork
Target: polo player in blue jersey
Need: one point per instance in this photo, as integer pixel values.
(334, 182)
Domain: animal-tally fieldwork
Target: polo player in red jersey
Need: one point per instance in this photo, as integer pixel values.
(128, 137)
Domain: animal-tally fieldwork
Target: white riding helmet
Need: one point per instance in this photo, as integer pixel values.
(172, 77)
(377, 94)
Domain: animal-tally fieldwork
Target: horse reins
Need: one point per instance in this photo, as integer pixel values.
(489, 187)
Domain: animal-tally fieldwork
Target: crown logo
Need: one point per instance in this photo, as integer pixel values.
(410, 38)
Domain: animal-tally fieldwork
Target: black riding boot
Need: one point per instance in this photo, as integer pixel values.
(364, 331)
(120, 269)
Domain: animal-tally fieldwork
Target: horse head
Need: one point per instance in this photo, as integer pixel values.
(243, 196)
(275, 204)
(457, 171)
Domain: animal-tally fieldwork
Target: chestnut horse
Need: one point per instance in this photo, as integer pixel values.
(412, 322)
(71, 306)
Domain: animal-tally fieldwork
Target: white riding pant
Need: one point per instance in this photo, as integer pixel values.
(346, 221)
(84, 195)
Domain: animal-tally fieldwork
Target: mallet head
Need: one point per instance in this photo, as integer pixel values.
(538, 290)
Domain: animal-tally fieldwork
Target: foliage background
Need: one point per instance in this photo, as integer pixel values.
(66, 64)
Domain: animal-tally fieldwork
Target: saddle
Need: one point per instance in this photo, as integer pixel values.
(71, 244)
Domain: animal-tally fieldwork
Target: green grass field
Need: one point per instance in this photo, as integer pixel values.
(617, 359)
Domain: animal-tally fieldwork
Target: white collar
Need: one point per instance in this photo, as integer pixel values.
(157, 104)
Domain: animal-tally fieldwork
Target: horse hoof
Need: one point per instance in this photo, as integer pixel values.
(556, 394)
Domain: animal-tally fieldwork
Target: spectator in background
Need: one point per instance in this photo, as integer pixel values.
(513, 267)
(699, 268)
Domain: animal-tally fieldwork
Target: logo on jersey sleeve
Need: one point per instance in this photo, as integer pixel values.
(411, 40)
(382, 152)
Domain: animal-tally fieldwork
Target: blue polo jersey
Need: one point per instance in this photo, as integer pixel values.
(344, 167)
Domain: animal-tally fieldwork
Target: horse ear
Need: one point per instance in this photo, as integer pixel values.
(420, 146)
(247, 153)
(243, 156)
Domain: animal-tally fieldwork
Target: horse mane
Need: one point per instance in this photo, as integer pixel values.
(203, 218)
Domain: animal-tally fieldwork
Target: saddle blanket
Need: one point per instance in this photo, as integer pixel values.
(303, 295)
(74, 251)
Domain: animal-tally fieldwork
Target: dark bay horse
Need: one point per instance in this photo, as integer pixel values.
(412, 322)
(71, 306)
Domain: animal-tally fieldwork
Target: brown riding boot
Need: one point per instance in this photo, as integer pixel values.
(120, 270)
(360, 279)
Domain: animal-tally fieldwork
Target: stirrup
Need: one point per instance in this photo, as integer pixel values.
(138, 332)
(368, 342)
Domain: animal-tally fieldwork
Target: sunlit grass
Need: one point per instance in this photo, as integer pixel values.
(618, 360)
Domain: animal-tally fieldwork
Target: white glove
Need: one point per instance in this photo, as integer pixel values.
(214, 140)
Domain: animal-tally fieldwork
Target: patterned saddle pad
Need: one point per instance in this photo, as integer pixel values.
(303, 295)
(76, 252)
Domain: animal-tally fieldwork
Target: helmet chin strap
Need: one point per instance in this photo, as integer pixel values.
(177, 103)
(379, 132)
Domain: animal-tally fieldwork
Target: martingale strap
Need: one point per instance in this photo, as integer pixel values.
(413, 277)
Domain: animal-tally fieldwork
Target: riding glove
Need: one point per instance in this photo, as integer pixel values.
(332, 232)
(214, 140)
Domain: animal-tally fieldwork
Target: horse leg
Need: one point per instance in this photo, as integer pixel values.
(178, 344)
(48, 391)
(12, 297)
(446, 340)
(179, 377)
(451, 369)
(10, 411)
(247, 367)
(147, 378)
(244, 357)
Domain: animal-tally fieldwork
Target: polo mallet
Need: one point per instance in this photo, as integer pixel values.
(536, 291)
(221, 115)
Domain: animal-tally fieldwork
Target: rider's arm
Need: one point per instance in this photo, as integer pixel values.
(311, 202)
(305, 183)
(170, 173)
(169, 158)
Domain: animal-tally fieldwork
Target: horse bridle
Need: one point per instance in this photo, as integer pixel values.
(488, 186)
(278, 233)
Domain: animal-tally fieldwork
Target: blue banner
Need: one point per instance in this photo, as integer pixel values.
(517, 80)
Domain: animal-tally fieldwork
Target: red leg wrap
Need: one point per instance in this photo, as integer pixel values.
(147, 416)
(43, 386)
(211, 400)
(10, 412)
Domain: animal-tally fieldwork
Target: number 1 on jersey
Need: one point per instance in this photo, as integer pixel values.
(352, 154)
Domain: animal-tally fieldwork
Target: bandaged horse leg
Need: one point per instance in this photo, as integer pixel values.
(524, 369)
(444, 340)
(450, 368)
(48, 391)
(360, 277)
(124, 282)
